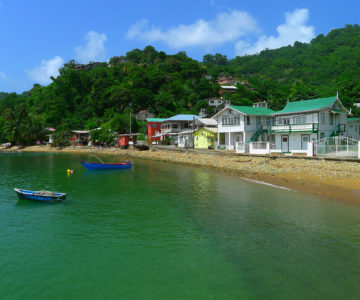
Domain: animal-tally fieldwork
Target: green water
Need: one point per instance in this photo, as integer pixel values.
(164, 231)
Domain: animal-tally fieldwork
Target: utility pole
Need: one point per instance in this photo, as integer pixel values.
(130, 122)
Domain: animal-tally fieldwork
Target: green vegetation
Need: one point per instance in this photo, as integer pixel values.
(104, 95)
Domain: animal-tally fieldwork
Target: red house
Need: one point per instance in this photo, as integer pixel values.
(154, 127)
(126, 139)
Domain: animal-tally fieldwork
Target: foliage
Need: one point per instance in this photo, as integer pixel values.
(61, 137)
(105, 95)
(103, 136)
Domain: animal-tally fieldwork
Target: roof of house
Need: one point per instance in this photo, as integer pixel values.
(155, 119)
(211, 129)
(206, 121)
(182, 118)
(228, 87)
(353, 119)
(250, 110)
(307, 105)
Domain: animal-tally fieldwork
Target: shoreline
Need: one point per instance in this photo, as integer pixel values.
(336, 180)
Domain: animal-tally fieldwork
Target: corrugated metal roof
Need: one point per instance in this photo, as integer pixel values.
(155, 119)
(211, 129)
(353, 119)
(307, 105)
(182, 118)
(206, 121)
(255, 111)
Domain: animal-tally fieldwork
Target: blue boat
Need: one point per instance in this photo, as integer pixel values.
(105, 166)
(43, 196)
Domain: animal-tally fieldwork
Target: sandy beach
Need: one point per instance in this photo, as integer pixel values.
(338, 180)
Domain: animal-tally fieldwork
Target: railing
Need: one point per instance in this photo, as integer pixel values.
(259, 145)
(310, 127)
(241, 147)
(337, 146)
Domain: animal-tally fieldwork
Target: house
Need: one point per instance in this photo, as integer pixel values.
(300, 122)
(215, 101)
(353, 128)
(79, 137)
(185, 139)
(144, 114)
(205, 138)
(225, 81)
(127, 139)
(242, 124)
(175, 125)
(227, 88)
(154, 128)
(204, 122)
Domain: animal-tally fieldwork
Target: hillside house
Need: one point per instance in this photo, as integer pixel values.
(154, 128)
(227, 88)
(179, 129)
(242, 124)
(353, 128)
(300, 122)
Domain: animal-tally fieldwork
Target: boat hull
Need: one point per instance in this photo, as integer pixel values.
(99, 166)
(40, 196)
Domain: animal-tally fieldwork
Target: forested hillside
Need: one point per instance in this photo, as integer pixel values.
(104, 94)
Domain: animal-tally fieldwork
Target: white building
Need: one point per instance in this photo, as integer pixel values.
(353, 128)
(303, 121)
(179, 126)
(242, 124)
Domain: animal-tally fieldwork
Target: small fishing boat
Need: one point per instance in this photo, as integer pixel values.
(44, 196)
(105, 166)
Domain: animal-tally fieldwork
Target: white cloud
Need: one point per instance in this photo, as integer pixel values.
(226, 27)
(3, 75)
(41, 74)
(94, 48)
(293, 30)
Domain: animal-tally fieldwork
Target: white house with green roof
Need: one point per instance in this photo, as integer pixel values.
(242, 124)
(353, 128)
(303, 121)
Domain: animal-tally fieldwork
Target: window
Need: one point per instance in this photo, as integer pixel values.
(322, 135)
(280, 121)
(175, 126)
(154, 125)
(297, 120)
(247, 120)
(287, 121)
(229, 111)
(322, 118)
(331, 119)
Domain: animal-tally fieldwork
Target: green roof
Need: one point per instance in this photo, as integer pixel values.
(256, 111)
(307, 105)
(353, 119)
(155, 119)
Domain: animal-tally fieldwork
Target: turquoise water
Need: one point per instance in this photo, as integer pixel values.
(165, 231)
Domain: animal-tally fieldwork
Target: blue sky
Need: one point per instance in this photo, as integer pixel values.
(38, 36)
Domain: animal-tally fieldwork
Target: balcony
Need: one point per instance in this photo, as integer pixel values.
(289, 128)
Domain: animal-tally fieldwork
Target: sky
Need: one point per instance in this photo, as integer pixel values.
(37, 37)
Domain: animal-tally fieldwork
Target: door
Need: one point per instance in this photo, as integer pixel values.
(285, 143)
(305, 139)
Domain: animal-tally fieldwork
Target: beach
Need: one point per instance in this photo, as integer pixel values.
(338, 180)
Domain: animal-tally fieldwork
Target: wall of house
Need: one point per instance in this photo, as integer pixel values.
(326, 127)
(203, 139)
(230, 128)
(353, 130)
(153, 128)
(303, 118)
(294, 140)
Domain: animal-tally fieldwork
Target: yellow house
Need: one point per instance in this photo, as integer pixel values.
(205, 138)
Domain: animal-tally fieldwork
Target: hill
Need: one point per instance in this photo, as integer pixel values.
(104, 94)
